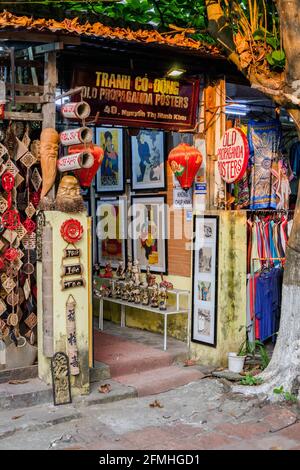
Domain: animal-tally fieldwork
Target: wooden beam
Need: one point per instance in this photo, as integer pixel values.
(38, 50)
(26, 36)
(26, 88)
(32, 99)
(22, 116)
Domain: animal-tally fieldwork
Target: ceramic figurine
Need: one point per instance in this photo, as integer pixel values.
(136, 273)
(164, 283)
(128, 274)
(137, 295)
(150, 278)
(108, 272)
(96, 269)
(145, 294)
(120, 273)
(163, 298)
(154, 296)
(118, 289)
(130, 288)
(124, 291)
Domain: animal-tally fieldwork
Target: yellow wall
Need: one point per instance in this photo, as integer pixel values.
(80, 383)
(231, 290)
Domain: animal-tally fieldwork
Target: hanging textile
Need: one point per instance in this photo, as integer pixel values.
(264, 143)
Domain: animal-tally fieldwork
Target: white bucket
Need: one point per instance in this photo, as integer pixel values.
(235, 362)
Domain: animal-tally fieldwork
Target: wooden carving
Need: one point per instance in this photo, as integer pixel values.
(61, 379)
(49, 153)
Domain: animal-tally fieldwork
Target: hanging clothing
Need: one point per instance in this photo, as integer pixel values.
(264, 142)
(295, 158)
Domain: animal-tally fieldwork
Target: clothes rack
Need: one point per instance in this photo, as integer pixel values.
(282, 260)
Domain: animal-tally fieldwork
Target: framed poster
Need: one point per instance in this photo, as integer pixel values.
(148, 160)
(110, 176)
(111, 230)
(205, 280)
(149, 232)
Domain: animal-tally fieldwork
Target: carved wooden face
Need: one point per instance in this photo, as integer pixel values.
(68, 188)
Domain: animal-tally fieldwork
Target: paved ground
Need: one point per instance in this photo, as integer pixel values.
(201, 415)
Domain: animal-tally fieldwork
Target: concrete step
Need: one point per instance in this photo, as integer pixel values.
(19, 373)
(34, 392)
(118, 392)
(129, 357)
(99, 372)
(161, 379)
(35, 418)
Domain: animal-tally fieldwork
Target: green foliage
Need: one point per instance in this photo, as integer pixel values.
(249, 348)
(251, 380)
(288, 396)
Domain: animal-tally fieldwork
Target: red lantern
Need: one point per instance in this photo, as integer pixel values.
(185, 162)
(86, 175)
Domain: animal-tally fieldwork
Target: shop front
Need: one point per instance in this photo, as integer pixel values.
(135, 202)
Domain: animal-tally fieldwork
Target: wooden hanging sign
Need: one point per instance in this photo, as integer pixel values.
(72, 253)
(71, 284)
(71, 269)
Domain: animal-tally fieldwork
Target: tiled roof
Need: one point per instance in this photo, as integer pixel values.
(176, 38)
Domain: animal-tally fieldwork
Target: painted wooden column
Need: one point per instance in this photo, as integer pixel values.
(82, 296)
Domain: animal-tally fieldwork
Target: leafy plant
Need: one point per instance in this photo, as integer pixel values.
(249, 348)
(288, 396)
(251, 380)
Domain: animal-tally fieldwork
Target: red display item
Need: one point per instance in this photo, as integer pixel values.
(71, 230)
(29, 225)
(86, 175)
(185, 162)
(11, 219)
(35, 198)
(233, 155)
(11, 254)
(8, 181)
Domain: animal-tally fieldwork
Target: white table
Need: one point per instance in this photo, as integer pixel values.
(171, 310)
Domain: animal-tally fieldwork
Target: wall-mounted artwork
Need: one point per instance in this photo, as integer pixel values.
(111, 230)
(148, 160)
(110, 176)
(149, 232)
(205, 280)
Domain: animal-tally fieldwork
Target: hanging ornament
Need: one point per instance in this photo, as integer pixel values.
(20, 231)
(8, 181)
(71, 230)
(3, 307)
(18, 180)
(71, 335)
(36, 179)
(11, 254)
(22, 149)
(3, 204)
(10, 235)
(35, 198)
(1, 245)
(10, 141)
(29, 241)
(29, 225)
(28, 160)
(3, 150)
(9, 285)
(26, 289)
(185, 162)
(30, 210)
(2, 263)
(11, 167)
(11, 219)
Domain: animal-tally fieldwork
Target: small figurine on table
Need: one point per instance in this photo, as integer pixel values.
(137, 295)
(136, 273)
(124, 291)
(154, 296)
(118, 290)
(130, 289)
(108, 272)
(145, 294)
(150, 278)
(164, 283)
(163, 298)
(128, 274)
(96, 269)
(120, 272)
(112, 286)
